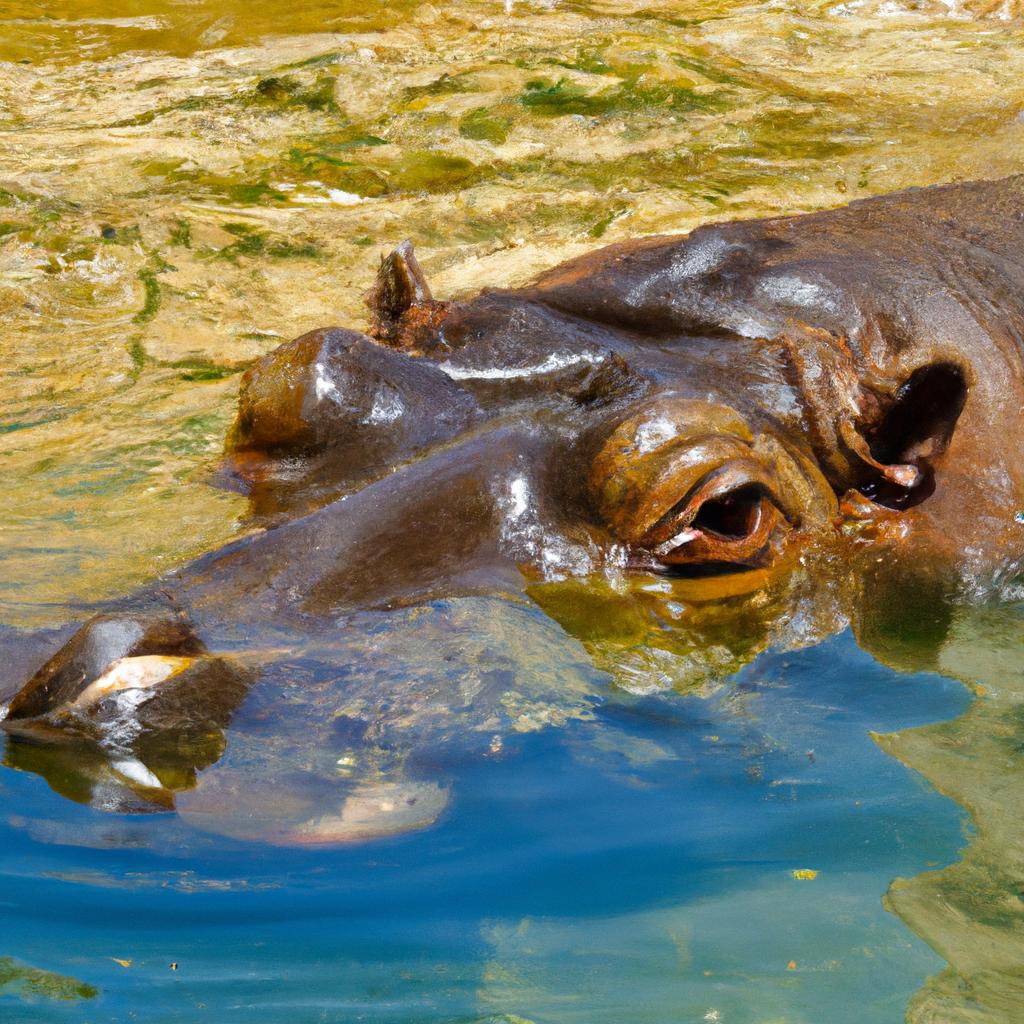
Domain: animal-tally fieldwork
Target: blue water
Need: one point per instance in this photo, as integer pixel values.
(634, 868)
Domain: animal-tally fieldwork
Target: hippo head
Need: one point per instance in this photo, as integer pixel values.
(708, 402)
(682, 449)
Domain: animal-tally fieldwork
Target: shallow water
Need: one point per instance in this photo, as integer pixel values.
(182, 186)
(638, 866)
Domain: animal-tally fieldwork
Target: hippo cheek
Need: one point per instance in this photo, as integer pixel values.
(686, 484)
(968, 531)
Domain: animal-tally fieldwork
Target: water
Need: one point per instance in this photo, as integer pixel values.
(182, 186)
(636, 867)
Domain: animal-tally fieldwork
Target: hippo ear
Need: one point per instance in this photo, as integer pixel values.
(405, 313)
(400, 286)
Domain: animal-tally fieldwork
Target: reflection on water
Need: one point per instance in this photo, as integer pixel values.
(661, 856)
(184, 185)
(971, 912)
(31, 983)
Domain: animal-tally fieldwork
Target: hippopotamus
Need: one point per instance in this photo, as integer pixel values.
(673, 452)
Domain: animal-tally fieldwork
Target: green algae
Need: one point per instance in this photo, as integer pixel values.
(631, 96)
(602, 225)
(137, 354)
(709, 70)
(318, 96)
(32, 983)
(481, 124)
(337, 172)
(444, 85)
(250, 242)
(245, 193)
(288, 250)
(360, 141)
(151, 303)
(208, 373)
(589, 60)
(253, 243)
(434, 172)
(198, 183)
(180, 234)
(324, 60)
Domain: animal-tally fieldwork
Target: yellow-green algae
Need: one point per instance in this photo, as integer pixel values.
(33, 983)
(972, 912)
(183, 186)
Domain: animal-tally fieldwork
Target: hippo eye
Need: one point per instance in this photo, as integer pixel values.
(733, 516)
(685, 484)
(723, 521)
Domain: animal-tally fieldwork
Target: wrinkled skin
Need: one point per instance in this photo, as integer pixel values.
(682, 449)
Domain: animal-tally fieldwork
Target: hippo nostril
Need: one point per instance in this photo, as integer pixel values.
(890, 495)
(919, 424)
(915, 430)
(732, 516)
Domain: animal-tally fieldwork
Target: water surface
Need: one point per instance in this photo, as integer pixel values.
(670, 858)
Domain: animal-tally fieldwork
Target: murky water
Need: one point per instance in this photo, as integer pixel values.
(182, 186)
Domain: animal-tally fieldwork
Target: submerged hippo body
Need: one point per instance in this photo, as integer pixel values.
(753, 434)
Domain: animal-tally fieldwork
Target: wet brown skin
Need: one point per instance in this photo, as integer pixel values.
(840, 392)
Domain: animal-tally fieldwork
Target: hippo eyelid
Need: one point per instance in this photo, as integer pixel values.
(671, 517)
(687, 509)
(734, 528)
